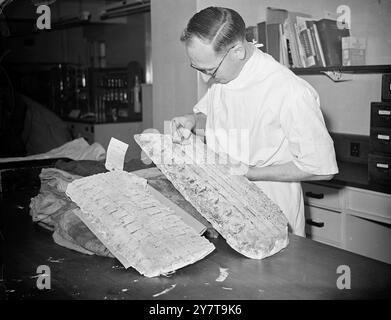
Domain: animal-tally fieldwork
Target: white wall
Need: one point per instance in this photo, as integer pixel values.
(346, 105)
(250, 10)
(174, 83)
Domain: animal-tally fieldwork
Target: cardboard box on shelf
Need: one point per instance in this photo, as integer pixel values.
(353, 51)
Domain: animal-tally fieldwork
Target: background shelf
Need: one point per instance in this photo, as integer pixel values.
(347, 69)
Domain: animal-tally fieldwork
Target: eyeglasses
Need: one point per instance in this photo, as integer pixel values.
(205, 71)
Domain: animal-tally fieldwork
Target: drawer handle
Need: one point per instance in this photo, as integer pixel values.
(314, 223)
(314, 195)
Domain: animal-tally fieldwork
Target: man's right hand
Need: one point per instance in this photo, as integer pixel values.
(181, 128)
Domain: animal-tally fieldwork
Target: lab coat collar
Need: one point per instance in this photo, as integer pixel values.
(249, 72)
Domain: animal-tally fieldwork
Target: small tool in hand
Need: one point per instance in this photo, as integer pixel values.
(180, 134)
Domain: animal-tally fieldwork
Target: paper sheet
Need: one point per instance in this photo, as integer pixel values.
(116, 155)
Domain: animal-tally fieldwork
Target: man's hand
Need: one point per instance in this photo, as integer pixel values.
(238, 169)
(181, 128)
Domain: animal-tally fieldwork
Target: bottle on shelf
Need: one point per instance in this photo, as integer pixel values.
(136, 94)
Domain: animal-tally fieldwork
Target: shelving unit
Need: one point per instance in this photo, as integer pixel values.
(112, 94)
(101, 132)
(346, 69)
(31, 30)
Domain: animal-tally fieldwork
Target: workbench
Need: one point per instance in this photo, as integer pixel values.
(304, 270)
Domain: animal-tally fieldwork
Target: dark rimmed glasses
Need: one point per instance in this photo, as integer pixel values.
(205, 71)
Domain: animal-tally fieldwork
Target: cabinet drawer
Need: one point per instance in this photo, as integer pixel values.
(379, 169)
(381, 114)
(368, 238)
(323, 225)
(321, 196)
(380, 140)
(370, 204)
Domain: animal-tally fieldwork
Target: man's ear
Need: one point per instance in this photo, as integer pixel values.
(239, 52)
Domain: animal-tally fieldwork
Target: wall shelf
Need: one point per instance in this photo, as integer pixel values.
(31, 29)
(344, 69)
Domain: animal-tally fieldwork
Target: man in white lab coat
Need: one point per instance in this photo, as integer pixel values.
(286, 137)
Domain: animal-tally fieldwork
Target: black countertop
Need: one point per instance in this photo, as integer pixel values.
(94, 121)
(305, 269)
(354, 175)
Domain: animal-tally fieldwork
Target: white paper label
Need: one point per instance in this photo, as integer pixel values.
(382, 165)
(384, 112)
(116, 155)
(383, 137)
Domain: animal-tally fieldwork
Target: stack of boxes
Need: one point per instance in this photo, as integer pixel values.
(379, 158)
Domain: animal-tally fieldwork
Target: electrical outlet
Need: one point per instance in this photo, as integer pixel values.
(355, 149)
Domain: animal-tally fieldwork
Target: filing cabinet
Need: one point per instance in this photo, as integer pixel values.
(379, 158)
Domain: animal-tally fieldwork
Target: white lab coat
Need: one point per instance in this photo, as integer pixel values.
(267, 116)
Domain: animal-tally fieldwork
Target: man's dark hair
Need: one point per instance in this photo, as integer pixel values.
(216, 25)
